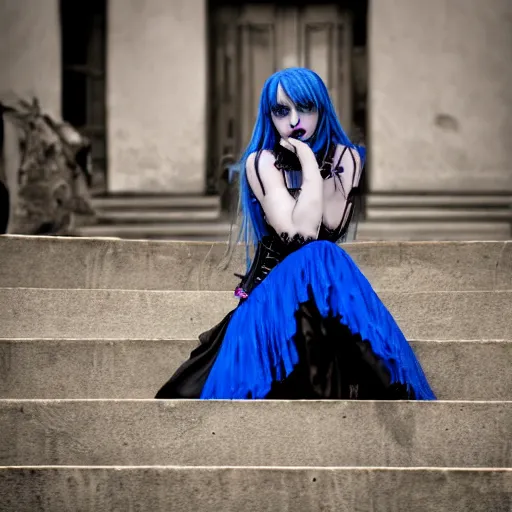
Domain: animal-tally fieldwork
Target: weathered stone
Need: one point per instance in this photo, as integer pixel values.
(33, 312)
(441, 95)
(30, 53)
(162, 489)
(53, 172)
(123, 264)
(256, 433)
(157, 67)
(135, 368)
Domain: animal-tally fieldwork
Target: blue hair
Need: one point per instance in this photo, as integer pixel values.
(301, 85)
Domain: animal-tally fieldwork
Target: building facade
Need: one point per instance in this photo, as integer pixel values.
(170, 88)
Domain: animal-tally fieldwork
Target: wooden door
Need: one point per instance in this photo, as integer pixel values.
(252, 41)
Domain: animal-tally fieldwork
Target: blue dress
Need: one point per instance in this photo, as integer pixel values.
(308, 326)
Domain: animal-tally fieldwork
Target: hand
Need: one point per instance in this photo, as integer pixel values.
(301, 149)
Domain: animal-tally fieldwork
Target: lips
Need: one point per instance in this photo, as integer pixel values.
(298, 133)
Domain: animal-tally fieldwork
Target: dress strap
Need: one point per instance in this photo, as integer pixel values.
(326, 168)
(257, 169)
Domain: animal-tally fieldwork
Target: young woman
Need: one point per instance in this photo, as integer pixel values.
(308, 325)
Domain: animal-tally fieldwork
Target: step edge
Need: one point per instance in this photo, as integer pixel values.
(269, 468)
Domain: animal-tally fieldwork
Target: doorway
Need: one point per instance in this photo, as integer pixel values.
(83, 32)
(250, 41)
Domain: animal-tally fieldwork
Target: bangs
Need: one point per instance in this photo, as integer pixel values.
(300, 87)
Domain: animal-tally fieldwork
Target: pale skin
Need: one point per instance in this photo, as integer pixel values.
(320, 201)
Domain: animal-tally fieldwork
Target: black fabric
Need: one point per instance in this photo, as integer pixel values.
(269, 253)
(189, 379)
(289, 161)
(333, 364)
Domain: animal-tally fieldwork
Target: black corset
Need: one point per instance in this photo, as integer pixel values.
(269, 252)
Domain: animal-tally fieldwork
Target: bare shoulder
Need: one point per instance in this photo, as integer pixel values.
(262, 174)
(346, 152)
(266, 159)
(258, 166)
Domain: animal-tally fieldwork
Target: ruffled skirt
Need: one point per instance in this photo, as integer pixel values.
(313, 329)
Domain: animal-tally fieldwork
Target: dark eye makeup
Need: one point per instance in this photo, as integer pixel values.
(306, 107)
(282, 110)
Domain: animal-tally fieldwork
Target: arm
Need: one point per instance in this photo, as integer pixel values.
(345, 177)
(285, 214)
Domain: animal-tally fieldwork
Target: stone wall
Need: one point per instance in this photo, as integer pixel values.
(156, 96)
(30, 64)
(30, 58)
(440, 95)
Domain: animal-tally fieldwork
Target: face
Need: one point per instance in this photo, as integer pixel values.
(290, 120)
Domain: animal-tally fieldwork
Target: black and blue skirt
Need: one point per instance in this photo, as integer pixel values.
(314, 328)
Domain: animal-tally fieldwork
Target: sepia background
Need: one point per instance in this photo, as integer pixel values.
(166, 91)
(124, 119)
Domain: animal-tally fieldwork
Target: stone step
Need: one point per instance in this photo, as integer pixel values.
(70, 368)
(431, 230)
(162, 230)
(376, 200)
(437, 217)
(368, 231)
(443, 214)
(132, 314)
(235, 489)
(60, 262)
(256, 433)
(130, 217)
(384, 229)
(148, 202)
(211, 237)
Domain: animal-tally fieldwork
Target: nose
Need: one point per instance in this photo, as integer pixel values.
(294, 118)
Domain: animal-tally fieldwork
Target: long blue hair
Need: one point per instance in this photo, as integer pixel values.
(301, 85)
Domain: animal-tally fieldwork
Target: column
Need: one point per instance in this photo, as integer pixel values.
(156, 96)
(30, 64)
(441, 96)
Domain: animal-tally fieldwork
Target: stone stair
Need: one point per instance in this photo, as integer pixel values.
(406, 217)
(420, 217)
(158, 217)
(90, 328)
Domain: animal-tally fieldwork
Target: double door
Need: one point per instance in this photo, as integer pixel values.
(252, 41)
